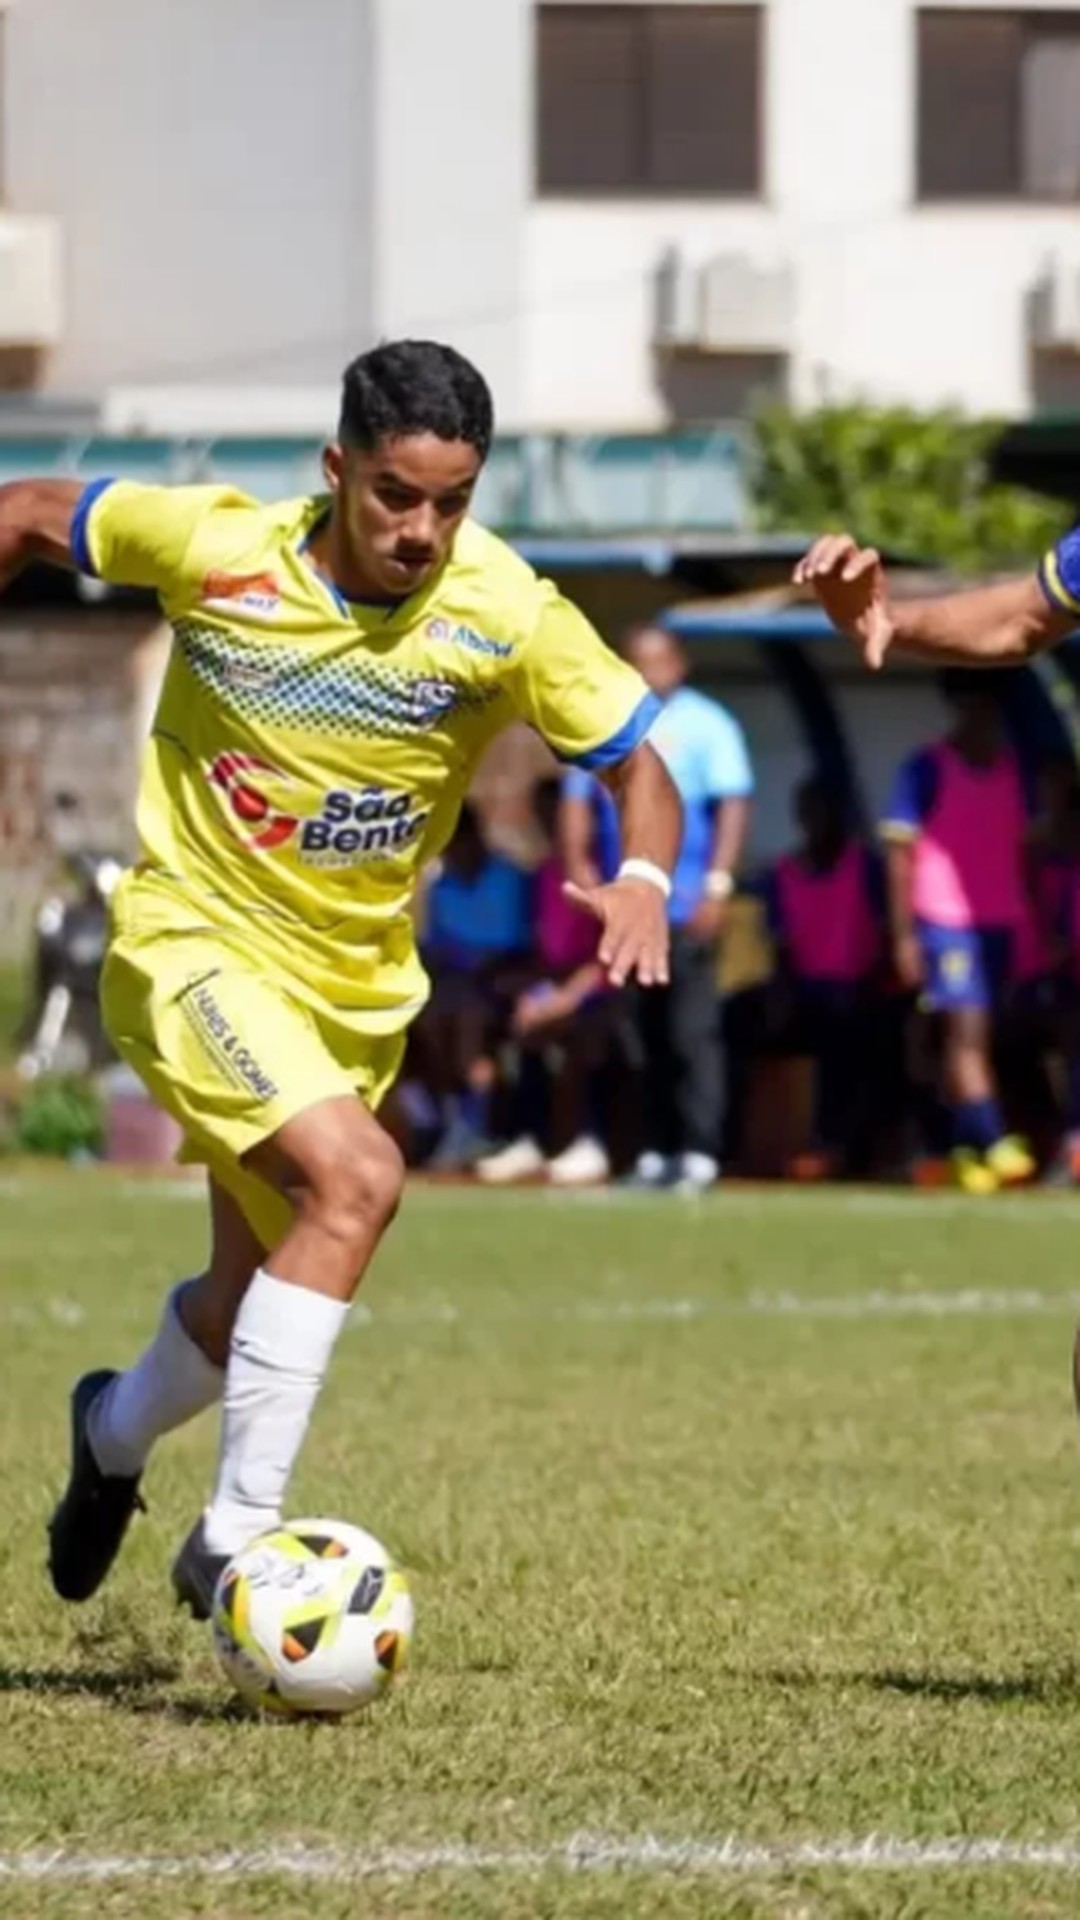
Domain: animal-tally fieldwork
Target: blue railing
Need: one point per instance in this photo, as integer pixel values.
(533, 483)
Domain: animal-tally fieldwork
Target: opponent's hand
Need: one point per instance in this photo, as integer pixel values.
(849, 581)
(634, 942)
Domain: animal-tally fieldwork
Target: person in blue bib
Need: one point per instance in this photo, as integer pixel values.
(705, 752)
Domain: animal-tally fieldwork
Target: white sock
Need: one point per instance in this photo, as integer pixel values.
(169, 1384)
(280, 1350)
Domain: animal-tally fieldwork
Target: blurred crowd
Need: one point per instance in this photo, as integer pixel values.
(918, 1015)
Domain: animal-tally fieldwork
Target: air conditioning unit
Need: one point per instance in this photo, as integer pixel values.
(31, 281)
(1054, 307)
(727, 304)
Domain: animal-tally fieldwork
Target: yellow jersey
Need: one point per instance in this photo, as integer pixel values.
(308, 754)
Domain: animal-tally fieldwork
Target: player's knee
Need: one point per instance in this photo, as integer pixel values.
(359, 1191)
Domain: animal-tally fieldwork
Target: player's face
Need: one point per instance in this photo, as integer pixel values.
(658, 658)
(399, 507)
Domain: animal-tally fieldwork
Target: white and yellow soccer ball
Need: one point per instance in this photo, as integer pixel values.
(313, 1618)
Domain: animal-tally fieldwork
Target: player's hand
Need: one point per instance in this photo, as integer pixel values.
(538, 1007)
(849, 581)
(634, 943)
(908, 961)
(708, 920)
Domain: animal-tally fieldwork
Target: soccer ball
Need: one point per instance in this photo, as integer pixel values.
(313, 1618)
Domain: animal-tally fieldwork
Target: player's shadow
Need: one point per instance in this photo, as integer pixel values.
(1050, 1686)
(103, 1683)
(134, 1687)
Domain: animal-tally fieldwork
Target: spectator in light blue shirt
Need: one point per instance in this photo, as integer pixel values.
(705, 752)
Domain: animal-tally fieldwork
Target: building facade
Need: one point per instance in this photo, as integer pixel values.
(629, 211)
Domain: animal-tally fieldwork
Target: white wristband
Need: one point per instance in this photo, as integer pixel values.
(719, 884)
(646, 870)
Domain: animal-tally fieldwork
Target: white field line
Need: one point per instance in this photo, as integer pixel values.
(584, 1853)
(969, 1303)
(966, 1303)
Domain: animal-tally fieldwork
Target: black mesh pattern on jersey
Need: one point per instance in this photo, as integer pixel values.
(341, 697)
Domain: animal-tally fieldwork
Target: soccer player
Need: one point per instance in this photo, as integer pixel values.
(705, 750)
(955, 832)
(997, 626)
(339, 663)
(826, 914)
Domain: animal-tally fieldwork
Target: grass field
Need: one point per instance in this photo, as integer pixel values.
(743, 1534)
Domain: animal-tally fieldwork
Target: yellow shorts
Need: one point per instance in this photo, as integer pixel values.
(232, 1048)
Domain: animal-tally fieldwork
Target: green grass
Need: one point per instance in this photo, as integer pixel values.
(691, 1558)
(13, 995)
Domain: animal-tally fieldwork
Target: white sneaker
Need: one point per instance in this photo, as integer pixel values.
(581, 1164)
(696, 1172)
(519, 1161)
(649, 1172)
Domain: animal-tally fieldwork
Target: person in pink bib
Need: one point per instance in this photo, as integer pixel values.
(826, 914)
(955, 835)
(561, 1030)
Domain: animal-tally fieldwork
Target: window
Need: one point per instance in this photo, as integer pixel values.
(648, 99)
(998, 112)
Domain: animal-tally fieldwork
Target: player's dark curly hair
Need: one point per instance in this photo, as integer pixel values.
(415, 386)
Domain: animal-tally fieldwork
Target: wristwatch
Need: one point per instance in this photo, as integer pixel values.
(719, 884)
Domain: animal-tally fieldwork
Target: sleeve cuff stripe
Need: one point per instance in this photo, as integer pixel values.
(618, 745)
(80, 528)
(1054, 586)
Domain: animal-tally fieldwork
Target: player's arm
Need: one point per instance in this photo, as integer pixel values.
(910, 802)
(731, 783)
(986, 626)
(899, 892)
(632, 908)
(36, 524)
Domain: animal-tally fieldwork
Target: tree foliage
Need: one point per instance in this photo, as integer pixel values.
(911, 483)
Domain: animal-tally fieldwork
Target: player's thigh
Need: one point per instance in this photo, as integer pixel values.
(955, 976)
(224, 1048)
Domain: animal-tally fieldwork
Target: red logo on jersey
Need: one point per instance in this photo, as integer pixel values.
(259, 591)
(232, 773)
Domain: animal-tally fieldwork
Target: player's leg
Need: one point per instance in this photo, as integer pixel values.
(697, 1050)
(652, 1016)
(117, 1417)
(971, 1091)
(342, 1176)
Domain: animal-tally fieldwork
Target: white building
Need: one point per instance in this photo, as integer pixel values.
(626, 211)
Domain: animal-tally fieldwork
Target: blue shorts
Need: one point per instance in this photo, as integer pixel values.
(965, 966)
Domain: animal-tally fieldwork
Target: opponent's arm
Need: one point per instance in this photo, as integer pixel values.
(632, 908)
(35, 524)
(986, 626)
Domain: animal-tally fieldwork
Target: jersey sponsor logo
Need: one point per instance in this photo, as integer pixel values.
(224, 1044)
(349, 827)
(241, 777)
(356, 826)
(254, 592)
(467, 637)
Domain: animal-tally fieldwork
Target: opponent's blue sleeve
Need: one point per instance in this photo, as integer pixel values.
(1059, 573)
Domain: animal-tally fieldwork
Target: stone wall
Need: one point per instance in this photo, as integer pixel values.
(69, 716)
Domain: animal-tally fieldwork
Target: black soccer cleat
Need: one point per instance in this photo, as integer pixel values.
(87, 1530)
(195, 1574)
